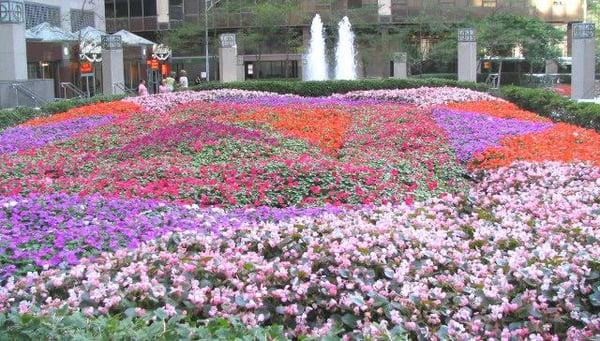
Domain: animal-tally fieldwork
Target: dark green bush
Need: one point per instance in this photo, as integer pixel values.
(326, 88)
(554, 106)
(13, 117)
(452, 76)
(64, 105)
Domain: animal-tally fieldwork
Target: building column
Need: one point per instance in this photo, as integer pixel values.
(467, 55)
(400, 69)
(569, 39)
(228, 58)
(584, 61)
(13, 52)
(112, 64)
(551, 67)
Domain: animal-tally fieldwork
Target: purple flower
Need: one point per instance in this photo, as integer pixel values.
(85, 226)
(471, 133)
(21, 138)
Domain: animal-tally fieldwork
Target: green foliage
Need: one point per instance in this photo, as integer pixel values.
(268, 27)
(552, 105)
(76, 326)
(451, 76)
(537, 39)
(64, 105)
(187, 39)
(13, 117)
(326, 88)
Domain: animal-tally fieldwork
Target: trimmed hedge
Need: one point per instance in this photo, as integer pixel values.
(64, 105)
(554, 106)
(452, 76)
(12, 117)
(326, 88)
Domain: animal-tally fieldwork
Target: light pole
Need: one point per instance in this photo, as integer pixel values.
(207, 7)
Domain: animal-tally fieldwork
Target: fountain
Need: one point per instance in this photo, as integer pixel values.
(316, 68)
(344, 51)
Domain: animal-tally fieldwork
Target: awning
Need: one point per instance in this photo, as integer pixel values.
(133, 39)
(90, 34)
(45, 32)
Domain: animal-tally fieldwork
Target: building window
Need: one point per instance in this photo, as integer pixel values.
(121, 9)
(36, 14)
(150, 8)
(81, 19)
(135, 8)
(489, 3)
(109, 8)
(354, 4)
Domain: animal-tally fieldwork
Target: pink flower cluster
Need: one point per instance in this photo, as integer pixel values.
(164, 102)
(424, 96)
(518, 258)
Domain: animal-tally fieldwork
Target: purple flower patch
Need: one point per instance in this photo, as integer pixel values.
(471, 133)
(22, 138)
(57, 230)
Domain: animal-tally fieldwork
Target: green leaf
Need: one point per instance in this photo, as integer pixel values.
(595, 298)
(350, 320)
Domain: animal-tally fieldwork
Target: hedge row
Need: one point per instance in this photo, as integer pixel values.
(16, 116)
(554, 106)
(326, 88)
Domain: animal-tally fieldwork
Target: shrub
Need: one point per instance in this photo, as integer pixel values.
(64, 105)
(12, 117)
(327, 88)
(452, 76)
(554, 106)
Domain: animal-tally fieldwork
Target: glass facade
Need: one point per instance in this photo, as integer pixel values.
(81, 19)
(36, 14)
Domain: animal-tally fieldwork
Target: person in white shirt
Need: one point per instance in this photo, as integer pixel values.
(183, 80)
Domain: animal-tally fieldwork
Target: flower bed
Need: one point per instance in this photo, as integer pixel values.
(563, 142)
(27, 137)
(192, 156)
(428, 269)
(423, 96)
(85, 226)
(472, 133)
(501, 109)
(114, 109)
(324, 127)
(165, 102)
(429, 213)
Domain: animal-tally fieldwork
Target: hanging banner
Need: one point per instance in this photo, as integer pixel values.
(86, 69)
(90, 51)
(161, 52)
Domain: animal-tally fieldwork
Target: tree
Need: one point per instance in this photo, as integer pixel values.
(500, 34)
(187, 39)
(270, 29)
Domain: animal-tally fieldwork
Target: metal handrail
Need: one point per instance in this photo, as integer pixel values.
(492, 80)
(121, 86)
(70, 86)
(19, 88)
